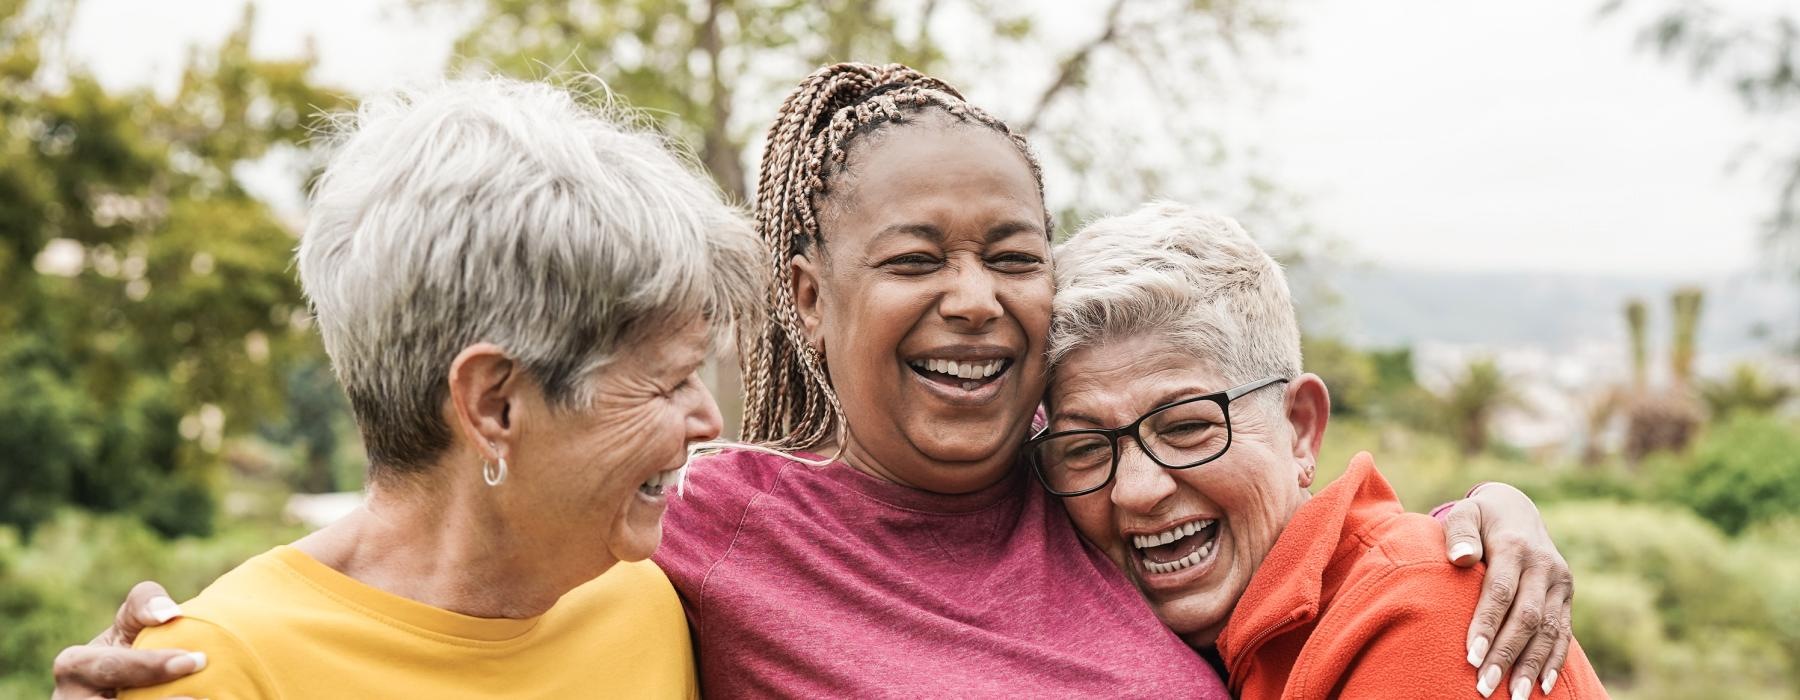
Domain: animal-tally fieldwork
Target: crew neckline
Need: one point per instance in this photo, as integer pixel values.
(411, 613)
(909, 498)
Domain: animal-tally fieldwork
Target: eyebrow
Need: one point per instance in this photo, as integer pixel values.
(925, 231)
(1008, 229)
(995, 233)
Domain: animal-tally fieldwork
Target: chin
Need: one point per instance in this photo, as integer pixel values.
(965, 449)
(636, 546)
(968, 441)
(1197, 627)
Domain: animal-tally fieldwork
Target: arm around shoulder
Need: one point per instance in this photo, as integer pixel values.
(232, 670)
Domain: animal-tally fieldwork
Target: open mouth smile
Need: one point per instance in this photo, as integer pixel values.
(1178, 548)
(967, 375)
(653, 487)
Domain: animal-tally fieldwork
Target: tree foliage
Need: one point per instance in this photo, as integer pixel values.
(713, 72)
(1746, 390)
(1756, 56)
(1744, 472)
(150, 308)
(1471, 401)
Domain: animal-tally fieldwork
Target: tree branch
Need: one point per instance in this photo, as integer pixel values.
(1071, 68)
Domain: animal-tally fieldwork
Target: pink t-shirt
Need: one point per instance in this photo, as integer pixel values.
(810, 582)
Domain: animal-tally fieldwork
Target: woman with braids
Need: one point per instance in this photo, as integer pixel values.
(884, 542)
(877, 536)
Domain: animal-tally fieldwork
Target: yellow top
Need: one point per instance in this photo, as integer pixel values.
(283, 625)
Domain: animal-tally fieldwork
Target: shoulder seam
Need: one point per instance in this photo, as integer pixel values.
(260, 672)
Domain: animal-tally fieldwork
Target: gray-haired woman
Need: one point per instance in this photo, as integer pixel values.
(516, 292)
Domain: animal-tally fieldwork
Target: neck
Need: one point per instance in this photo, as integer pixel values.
(931, 475)
(451, 546)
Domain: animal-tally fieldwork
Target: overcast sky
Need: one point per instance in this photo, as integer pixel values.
(1481, 136)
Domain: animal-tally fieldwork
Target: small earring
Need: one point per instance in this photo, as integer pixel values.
(492, 475)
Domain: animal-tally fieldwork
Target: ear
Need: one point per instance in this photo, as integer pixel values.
(484, 398)
(1308, 410)
(806, 285)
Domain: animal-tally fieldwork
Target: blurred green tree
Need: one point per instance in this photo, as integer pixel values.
(1350, 374)
(712, 72)
(1472, 399)
(1744, 472)
(1747, 390)
(150, 310)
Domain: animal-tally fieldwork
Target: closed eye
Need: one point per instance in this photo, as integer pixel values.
(685, 382)
(912, 264)
(1015, 262)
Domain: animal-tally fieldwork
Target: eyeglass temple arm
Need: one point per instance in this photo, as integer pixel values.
(1247, 388)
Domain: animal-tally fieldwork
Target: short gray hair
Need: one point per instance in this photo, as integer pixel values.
(495, 210)
(1193, 278)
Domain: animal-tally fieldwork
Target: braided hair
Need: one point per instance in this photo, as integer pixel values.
(788, 399)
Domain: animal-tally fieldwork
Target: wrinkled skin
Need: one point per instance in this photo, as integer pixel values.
(935, 246)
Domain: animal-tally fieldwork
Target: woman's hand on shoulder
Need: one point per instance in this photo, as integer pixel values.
(108, 663)
(1521, 623)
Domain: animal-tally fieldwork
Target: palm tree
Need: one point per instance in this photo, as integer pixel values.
(1666, 419)
(1471, 402)
(1637, 318)
(1686, 307)
(1746, 391)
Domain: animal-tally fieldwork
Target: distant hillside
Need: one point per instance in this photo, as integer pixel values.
(1381, 307)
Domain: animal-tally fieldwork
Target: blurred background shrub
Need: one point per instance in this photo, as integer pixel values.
(166, 410)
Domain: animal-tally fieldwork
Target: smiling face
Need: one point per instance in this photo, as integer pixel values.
(609, 467)
(930, 302)
(1191, 539)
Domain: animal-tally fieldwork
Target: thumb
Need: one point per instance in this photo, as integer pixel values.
(1462, 533)
(148, 605)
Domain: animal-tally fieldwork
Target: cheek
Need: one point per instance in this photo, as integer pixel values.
(638, 436)
(1250, 496)
(1092, 515)
(1029, 301)
(874, 319)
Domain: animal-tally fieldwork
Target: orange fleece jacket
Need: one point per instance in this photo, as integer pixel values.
(1358, 600)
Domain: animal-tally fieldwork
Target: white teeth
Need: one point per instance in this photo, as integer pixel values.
(961, 370)
(1169, 535)
(1191, 559)
(662, 479)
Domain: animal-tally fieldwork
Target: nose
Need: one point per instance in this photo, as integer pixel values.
(703, 420)
(973, 299)
(1140, 484)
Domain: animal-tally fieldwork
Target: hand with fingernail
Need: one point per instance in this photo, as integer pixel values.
(108, 662)
(1520, 630)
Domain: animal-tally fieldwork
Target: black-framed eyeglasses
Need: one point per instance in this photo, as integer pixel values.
(1178, 435)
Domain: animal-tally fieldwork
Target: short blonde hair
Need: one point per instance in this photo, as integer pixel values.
(1191, 277)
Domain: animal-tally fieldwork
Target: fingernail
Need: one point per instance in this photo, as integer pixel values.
(1477, 651)
(1549, 680)
(1460, 550)
(186, 663)
(1521, 688)
(163, 609)
(1490, 679)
